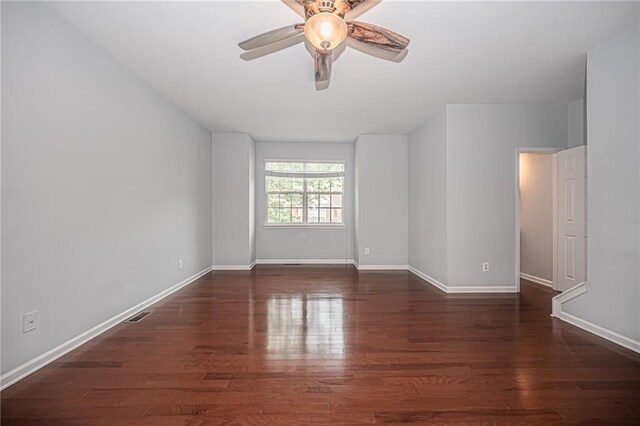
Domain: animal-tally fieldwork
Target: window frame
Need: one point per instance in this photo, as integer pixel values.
(334, 225)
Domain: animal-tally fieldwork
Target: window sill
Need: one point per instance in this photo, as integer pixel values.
(303, 226)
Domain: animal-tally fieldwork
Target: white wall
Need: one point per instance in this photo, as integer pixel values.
(233, 195)
(481, 185)
(382, 200)
(576, 113)
(105, 185)
(536, 215)
(304, 243)
(613, 297)
(356, 209)
(252, 201)
(427, 167)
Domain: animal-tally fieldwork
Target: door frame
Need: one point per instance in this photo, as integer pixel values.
(554, 191)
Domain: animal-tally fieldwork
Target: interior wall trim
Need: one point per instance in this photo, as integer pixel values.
(234, 267)
(430, 280)
(304, 261)
(536, 280)
(361, 267)
(332, 262)
(483, 289)
(48, 357)
(605, 333)
(462, 289)
(565, 296)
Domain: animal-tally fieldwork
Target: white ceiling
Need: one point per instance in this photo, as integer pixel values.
(473, 52)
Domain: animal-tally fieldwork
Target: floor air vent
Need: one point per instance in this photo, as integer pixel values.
(138, 317)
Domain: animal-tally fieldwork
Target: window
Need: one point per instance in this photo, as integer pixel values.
(304, 193)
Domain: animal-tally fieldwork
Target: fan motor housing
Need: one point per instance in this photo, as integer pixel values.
(313, 7)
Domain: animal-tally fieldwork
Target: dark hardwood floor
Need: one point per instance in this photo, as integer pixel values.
(328, 345)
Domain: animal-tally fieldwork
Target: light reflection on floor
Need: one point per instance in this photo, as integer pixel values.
(310, 324)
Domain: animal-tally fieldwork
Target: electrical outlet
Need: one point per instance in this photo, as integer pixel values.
(179, 263)
(366, 251)
(29, 321)
(485, 267)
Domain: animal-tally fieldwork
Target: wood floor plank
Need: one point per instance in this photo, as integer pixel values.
(298, 345)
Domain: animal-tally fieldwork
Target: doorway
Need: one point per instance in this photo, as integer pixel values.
(536, 219)
(551, 216)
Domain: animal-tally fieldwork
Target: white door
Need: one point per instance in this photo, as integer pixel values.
(572, 217)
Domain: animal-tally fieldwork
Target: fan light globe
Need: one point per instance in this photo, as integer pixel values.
(325, 30)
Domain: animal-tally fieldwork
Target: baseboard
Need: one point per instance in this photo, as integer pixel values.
(462, 289)
(332, 262)
(304, 261)
(565, 296)
(536, 280)
(48, 357)
(607, 334)
(381, 267)
(234, 267)
(428, 279)
(482, 289)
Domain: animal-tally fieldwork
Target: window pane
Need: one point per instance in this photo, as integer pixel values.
(285, 200)
(325, 216)
(322, 184)
(273, 216)
(312, 185)
(297, 184)
(336, 184)
(285, 215)
(285, 167)
(336, 215)
(313, 201)
(296, 200)
(278, 184)
(296, 215)
(273, 201)
(325, 201)
(325, 185)
(278, 167)
(312, 215)
(271, 184)
(324, 167)
(287, 197)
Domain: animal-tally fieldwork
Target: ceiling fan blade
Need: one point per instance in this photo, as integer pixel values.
(272, 48)
(378, 37)
(323, 69)
(358, 7)
(401, 56)
(296, 5)
(322, 85)
(271, 37)
(387, 55)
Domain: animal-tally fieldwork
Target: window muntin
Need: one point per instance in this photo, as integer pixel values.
(304, 193)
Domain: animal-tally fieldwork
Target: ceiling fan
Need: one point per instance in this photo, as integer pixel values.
(328, 29)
